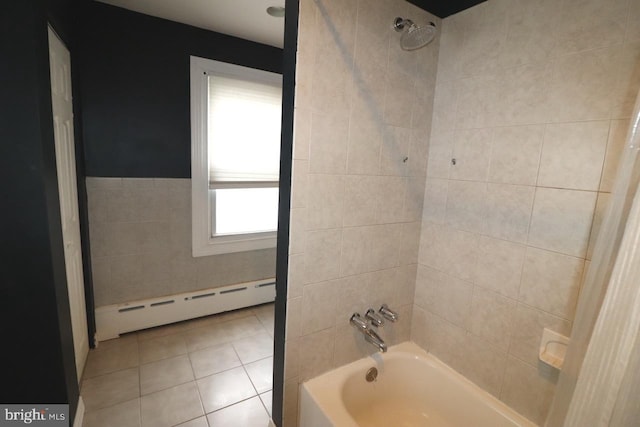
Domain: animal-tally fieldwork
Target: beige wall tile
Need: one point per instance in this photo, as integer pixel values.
(291, 359)
(332, 95)
(301, 133)
(499, 266)
(290, 404)
(435, 200)
(633, 28)
(561, 220)
(573, 154)
(350, 346)
(467, 205)
(582, 86)
(445, 107)
(483, 364)
(527, 390)
(98, 203)
(431, 240)
(617, 140)
(523, 95)
(418, 152)
(472, 151)
(356, 249)
(399, 94)
(551, 282)
(492, 318)
(531, 33)
(318, 306)
(409, 243)
(106, 184)
(101, 275)
(420, 325)
(509, 211)
(399, 331)
(296, 276)
(360, 200)
(440, 154)
(297, 230)
(326, 201)
(382, 288)
(477, 101)
(352, 296)
(446, 296)
(328, 146)
(300, 189)
(391, 195)
(515, 154)
(304, 79)
(601, 208)
(461, 250)
(446, 340)
(451, 41)
(146, 233)
(385, 246)
(527, 332)
(628, 79)
(521, 72)
(406, 284)
(323, 247)
(578, 19)
(413, 199)
(366, 132)
(294, 318)
(316, 353)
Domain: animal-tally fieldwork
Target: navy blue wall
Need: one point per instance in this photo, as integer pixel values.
(134, 88)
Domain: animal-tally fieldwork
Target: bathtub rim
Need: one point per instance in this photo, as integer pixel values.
(325, 390)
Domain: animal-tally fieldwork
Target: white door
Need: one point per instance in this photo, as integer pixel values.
(60, 61)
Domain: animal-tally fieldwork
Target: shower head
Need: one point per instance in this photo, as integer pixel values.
(414, 36)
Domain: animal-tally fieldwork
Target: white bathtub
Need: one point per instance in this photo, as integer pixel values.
(412, 389)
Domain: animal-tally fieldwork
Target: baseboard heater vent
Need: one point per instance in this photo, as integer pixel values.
(113, 320)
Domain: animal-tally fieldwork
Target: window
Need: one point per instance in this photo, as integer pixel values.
(235, 127)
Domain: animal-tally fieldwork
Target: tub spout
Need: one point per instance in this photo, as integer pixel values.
(369, 334)
(372, 337)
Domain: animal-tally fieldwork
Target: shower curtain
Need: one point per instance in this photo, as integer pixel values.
(600, 381)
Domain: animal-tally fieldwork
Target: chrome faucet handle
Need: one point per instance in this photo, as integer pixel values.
(387, 313)
(358, 322)
(376, 320)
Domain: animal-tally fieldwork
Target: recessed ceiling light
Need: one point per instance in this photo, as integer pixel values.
(276, 11)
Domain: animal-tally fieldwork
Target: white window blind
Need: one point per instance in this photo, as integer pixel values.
(243, 133)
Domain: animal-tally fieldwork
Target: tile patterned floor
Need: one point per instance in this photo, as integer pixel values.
(212, 371)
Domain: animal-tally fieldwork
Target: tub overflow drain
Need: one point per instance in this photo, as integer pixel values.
(372, 374)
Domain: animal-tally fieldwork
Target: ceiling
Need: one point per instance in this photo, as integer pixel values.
(444, 8)
(246, 19)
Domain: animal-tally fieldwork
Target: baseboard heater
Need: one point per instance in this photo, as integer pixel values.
(113, 320)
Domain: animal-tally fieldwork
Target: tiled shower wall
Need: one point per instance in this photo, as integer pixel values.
(533, 104)
(362, 122)
(140, 232)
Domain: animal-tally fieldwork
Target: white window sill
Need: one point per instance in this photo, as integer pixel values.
(232, 244)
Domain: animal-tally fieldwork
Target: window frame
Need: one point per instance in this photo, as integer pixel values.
(203, 241)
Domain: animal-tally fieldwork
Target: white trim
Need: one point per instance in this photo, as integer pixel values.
(79, 419)
(113, 320)
(202, 242)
